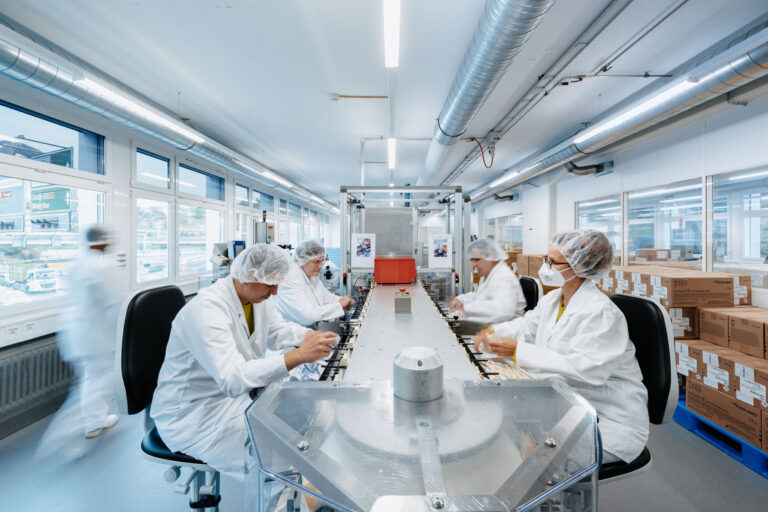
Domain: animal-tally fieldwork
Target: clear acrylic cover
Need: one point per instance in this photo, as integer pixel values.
(483, 446)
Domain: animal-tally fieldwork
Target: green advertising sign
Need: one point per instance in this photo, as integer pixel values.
(50, 199)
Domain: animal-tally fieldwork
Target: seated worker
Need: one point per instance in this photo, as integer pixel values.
(499, 296)
(216, 356)
(302, 298)
(579, 334)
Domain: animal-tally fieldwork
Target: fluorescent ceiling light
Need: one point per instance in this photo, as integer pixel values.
(187, 184)
(391, 152)
(667, 208)
(637, 111)
(391, 33)
(661, 191)
(155, 176)
(747, 176)
(9, 139)
(681, 199)
(128, 104)
(609, 209)
(277, 179)
(594, 203)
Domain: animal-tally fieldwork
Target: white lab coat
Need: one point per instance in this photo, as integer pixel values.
(211, 363)
(306, 301)
(590, 348)
(499, 297)
(88, 337)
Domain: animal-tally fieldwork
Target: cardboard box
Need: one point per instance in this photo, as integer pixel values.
(746, 332)
(725, 411)
(535, 261)
(765, 431)
(685, 323)
(710, 364)
(653, 254)
(751, 380)
(713, 322)
(522, 264)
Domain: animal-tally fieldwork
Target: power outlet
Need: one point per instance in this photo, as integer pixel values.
(12, 333)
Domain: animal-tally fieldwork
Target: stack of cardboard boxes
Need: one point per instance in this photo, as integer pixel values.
(721, 342)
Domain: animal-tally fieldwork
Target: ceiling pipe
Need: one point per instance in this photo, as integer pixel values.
(500, 34)
(72, 86)
(735, 61)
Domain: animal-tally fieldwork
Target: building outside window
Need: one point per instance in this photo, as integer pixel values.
(40, 227)
(152, 238)
(604, 215)
(30, 135)
(740, 224)
(199, 183)
(153, 169)
(241, 196)
(665, 225)
(198, 229)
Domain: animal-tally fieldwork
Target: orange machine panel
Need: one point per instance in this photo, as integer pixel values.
(394, 270)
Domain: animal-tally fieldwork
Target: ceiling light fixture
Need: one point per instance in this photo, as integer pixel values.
(128, 104)
(277, 179)
(391, 152)
(663, 191)
(747, 176)
(391, 33)
(594, 203)
(637, 111)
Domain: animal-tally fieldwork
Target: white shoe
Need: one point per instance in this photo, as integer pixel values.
(110, 421)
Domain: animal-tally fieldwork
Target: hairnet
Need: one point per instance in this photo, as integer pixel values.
(97, 234)
(261, 263)
(588, 252)
(486, 249)
(307, 251)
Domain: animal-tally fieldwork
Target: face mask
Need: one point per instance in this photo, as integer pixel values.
(551, 277)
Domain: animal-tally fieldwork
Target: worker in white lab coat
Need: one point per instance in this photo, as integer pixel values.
(499, 296)
(88, 337)
(577, 333)
(216, 356)
(302, 298)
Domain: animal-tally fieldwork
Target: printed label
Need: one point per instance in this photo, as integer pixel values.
(662, 255)
(619, 274)
(745, 373)
(756, 390)
(641, 289)
(674, 255)
(710, 359)
(637, 278)
(660, 291)
(607, 284)
(681, 349)
(686, 364)
(718, 375)
(655, 281)
(622, 284)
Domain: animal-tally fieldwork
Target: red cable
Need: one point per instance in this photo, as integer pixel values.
(482, 153)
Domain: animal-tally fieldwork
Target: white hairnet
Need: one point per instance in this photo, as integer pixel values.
(588, 252)
(486, 249)
(307, 251)
(97, 234)
(261, 263)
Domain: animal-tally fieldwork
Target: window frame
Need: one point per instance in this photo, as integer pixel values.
(187, 278)
(154, 151)
(153, 196)
(192, 197)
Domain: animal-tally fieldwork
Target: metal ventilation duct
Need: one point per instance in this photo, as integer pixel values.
(501, 33)
(36, 72)
(735, 61)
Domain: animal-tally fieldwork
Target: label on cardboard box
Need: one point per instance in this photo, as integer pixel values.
(660, 291)
(619, 274)
(710, 359)
(716, 376)
(607, 283)
(637, 278)
(655, 281)
(621, 284)
(674, 255)
(514, 266)
(745, 373)
(750, 391)
(681, 348)
(641, 289)
(686, 364)
(662, 255)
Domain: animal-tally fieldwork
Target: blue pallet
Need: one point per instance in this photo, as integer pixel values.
(752, 457)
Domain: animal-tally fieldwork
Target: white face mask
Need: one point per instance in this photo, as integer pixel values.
(551, 277)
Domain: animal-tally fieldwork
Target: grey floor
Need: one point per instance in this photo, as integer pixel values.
(688, 474)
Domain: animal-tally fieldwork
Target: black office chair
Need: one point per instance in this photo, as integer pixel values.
(143, 329)
(532, 290)
(651, 332)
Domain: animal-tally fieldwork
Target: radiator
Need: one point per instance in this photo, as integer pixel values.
(31, 376)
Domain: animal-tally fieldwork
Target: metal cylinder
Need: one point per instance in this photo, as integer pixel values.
(418, 375)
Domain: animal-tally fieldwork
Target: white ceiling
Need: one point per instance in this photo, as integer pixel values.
(257, 75)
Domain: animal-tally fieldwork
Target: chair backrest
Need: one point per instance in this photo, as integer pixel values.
(651, 332)
(143, 329)
(532, 291)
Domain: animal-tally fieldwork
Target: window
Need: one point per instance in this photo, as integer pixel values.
(152, 229)
(510, 231)
(198, 183)
(490, 228)
(27, 134)
(603, 215)
(294, 210)
(241, 196)
(740, 225)
(263, 202)
(39, 236)
(153, 169)
(241, 227)
(283, 207)
(665, 225)
(314, 225)
(198, 228)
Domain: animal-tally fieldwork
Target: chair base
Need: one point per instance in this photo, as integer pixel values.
(618, 470)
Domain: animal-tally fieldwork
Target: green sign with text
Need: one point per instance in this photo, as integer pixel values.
(50, 199)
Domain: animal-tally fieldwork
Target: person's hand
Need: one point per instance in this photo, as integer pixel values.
(347, 303)
(481, 341)
(456, 305)
(504, 347)
(317, 345)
